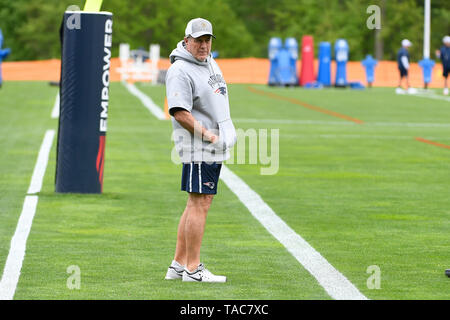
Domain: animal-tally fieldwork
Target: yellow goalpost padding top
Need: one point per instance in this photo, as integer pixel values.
(93, 5)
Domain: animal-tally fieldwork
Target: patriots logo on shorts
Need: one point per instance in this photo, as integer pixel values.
(210, 185)
(221, 90)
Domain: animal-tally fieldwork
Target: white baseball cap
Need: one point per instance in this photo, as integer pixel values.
(446, 39)
(406, 43)
(198, 27)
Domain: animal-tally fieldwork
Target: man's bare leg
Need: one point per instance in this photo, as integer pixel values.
(180, 250)
(191, 229)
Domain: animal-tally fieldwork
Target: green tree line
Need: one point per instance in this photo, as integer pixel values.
(242, 27)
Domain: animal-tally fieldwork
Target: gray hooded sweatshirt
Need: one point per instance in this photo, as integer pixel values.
(199, 88)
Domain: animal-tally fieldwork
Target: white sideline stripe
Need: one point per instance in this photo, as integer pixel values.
(408, 124)
(41, 164)
(345, 123)
(355, 136)
(432, 96)
(422, 93)
(55, 110)
(334, 283)
(290, 121)
(146, 101)
(11, 272)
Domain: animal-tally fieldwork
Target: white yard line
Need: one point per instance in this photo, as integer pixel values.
(432, 96)
(334, 283)
(13, 265)
(344, 123)
(41, 164)
(354, 136)
(146, 101)
(11, 272)
(294, 121)
(409, 124)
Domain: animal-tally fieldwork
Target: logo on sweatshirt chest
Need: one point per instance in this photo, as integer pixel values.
(218, 84)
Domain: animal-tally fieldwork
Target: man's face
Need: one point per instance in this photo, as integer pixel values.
(199, 47)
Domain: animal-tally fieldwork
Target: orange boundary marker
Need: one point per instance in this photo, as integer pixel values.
(306, 105)
(437, 144)
(239, 70)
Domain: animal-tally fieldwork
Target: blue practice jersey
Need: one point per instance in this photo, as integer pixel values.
(369, 64)
(427, 69)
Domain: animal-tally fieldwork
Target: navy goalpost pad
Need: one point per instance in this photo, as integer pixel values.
(86, 39)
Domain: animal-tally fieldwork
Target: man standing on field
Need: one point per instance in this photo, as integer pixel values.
(403, 64)
(444, 55)
(197, 97)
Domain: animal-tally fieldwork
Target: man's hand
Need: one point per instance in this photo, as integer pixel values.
(210, 137)
(187, 121)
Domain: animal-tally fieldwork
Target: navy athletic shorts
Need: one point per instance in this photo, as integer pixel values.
(403, 72)
(200, 177)
(446, 71)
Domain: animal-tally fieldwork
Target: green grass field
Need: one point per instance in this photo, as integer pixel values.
(361, 194)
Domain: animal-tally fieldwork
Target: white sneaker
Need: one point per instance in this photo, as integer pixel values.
(446, 92)
(399, 91)
(175, 271)
(201, 274)
(412, 90)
